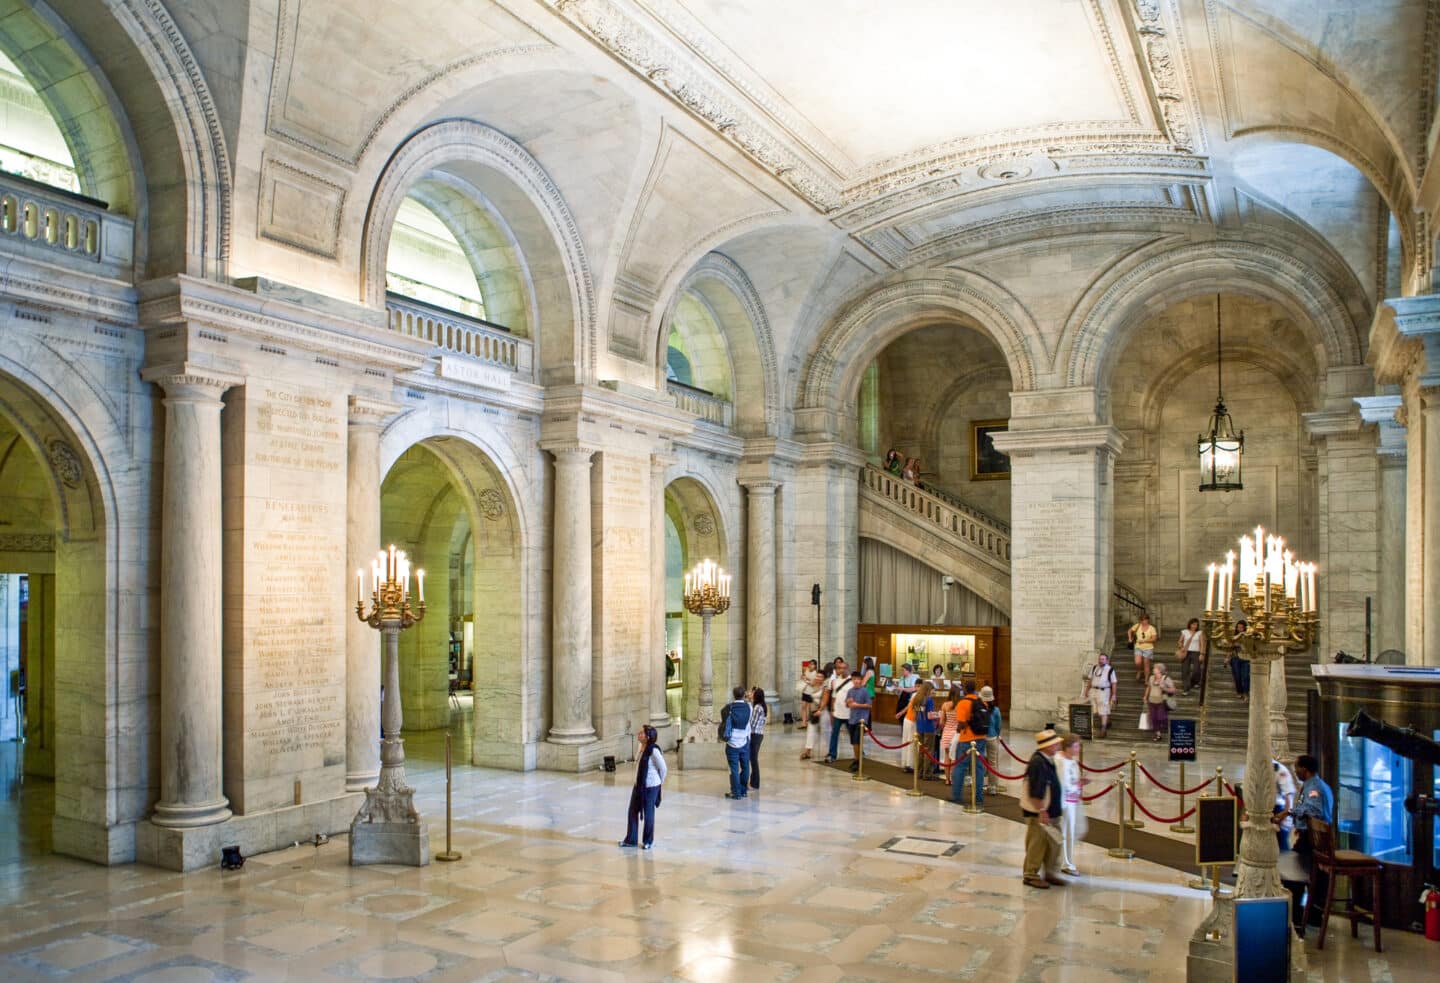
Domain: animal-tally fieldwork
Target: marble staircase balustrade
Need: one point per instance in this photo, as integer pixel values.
(962, 528)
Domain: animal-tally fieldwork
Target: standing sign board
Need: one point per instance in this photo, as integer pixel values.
(1080, 720)
(1182, 740)
(1217, 830)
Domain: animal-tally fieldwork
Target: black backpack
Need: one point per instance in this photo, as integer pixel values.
(979, 716)
(723, 730)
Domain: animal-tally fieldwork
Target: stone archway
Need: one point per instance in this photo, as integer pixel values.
(446, 502)
(692, 511)
(53, 543)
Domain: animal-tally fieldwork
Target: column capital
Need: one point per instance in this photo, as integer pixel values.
(191, 382)
(759, 486)
(1084, 438)
(571, 453)
(1383, 412)
(1332, 423)
(1405, 338)
(366, 411)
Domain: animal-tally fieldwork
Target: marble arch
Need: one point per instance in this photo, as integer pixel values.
(1106, 318)
(100, 784)
(736, 304)
(535, 211)
(479, 488)
(698, 514)
(838, 359)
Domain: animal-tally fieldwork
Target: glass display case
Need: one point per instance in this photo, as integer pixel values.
(1435, 859)
(1370, 800)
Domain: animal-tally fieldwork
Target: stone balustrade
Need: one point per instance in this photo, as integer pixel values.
(460, 335)
(707, 406)
(981, 534)
(61, 223)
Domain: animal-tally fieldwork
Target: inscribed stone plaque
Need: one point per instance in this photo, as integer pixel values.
(284, 561)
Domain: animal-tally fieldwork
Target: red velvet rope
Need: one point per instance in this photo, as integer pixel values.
(1175, 791)
(1231, 789)
(1010, 752)
(990, 768)
(1101, 771)
(1141, 806)
(1104, 791)
(888, 747)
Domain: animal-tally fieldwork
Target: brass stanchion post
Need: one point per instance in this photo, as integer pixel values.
(859, 775)
(915, 772)
(1182, 826)
(1119, 852)
(1132, 822)
(449, 854)
(972, 808)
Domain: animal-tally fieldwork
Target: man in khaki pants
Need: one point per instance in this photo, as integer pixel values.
(1040, 804)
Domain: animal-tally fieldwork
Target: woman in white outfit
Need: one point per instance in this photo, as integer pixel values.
(1072, 808)
(812, 685)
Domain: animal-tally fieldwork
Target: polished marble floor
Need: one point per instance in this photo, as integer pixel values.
(815, 878)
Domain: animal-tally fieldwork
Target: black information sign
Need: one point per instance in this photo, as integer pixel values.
(1080, 721)
(1262, 940)
(1182, 740)
(1216, 830)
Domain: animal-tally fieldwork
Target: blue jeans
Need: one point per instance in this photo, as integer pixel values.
(836, 726)
(755, 741)
(739, 760)
(642, 803)
(961, 772)
(1240, 672)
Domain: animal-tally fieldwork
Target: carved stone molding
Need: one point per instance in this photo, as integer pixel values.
(492, 504)
(65, 462)
(26, 542)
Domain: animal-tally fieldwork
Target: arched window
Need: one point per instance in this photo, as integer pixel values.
(31, 145)
(697, 355)
(426, 262)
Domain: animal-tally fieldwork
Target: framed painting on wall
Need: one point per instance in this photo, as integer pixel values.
(987, 463)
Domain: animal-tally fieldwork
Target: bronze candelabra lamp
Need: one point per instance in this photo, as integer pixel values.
(388, 828)
(1277, 601)
(707, 593)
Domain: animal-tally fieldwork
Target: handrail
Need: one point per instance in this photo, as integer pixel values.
(459, 334)
(950, 498)
(703, 403)
(1129, 595)
(978, 533)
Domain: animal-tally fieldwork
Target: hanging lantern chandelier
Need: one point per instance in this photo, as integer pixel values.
(1221, 447)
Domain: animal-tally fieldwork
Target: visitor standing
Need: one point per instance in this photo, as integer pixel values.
(1041, 805)
(836, 690)
(925, 714)
(759, 714)
(867, 675)
(736, 731)
(1101, 689)
(949, 727)
(992, 740)
(812, 688)
(1191, 653)
(1072, 806)
(645, 796)
(905, 688)
(857, 700)
(973, 726)
(1159, 695)
(1142, 635)
(1240, 668)
(1285, 793)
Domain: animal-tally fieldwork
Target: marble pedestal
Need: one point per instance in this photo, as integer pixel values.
(376, 837)
(702, 755)
(1212, 960)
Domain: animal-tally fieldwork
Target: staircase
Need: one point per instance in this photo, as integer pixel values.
(1227, 721)
(939, 530)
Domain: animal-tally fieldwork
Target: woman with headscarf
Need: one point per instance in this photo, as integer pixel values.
(645, 796)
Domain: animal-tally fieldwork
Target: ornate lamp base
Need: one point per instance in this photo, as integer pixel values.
(388, 828)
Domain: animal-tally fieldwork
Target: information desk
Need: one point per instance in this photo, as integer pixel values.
(1371, 782)
(964, 652)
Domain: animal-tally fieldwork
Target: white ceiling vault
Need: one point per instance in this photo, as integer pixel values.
(928, 129)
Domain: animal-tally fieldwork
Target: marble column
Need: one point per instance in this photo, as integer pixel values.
(1428, 651)
(659, 711)
(760, 587)
(1060, 561)
(362, 646)
(571, 712)
(190, 612)
(1390, 597)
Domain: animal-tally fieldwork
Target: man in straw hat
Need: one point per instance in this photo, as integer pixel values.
(1040, 804)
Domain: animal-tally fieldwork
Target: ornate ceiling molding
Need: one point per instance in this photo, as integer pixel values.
(644, 51)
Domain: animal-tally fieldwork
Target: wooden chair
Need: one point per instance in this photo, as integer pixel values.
(1343, 863)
